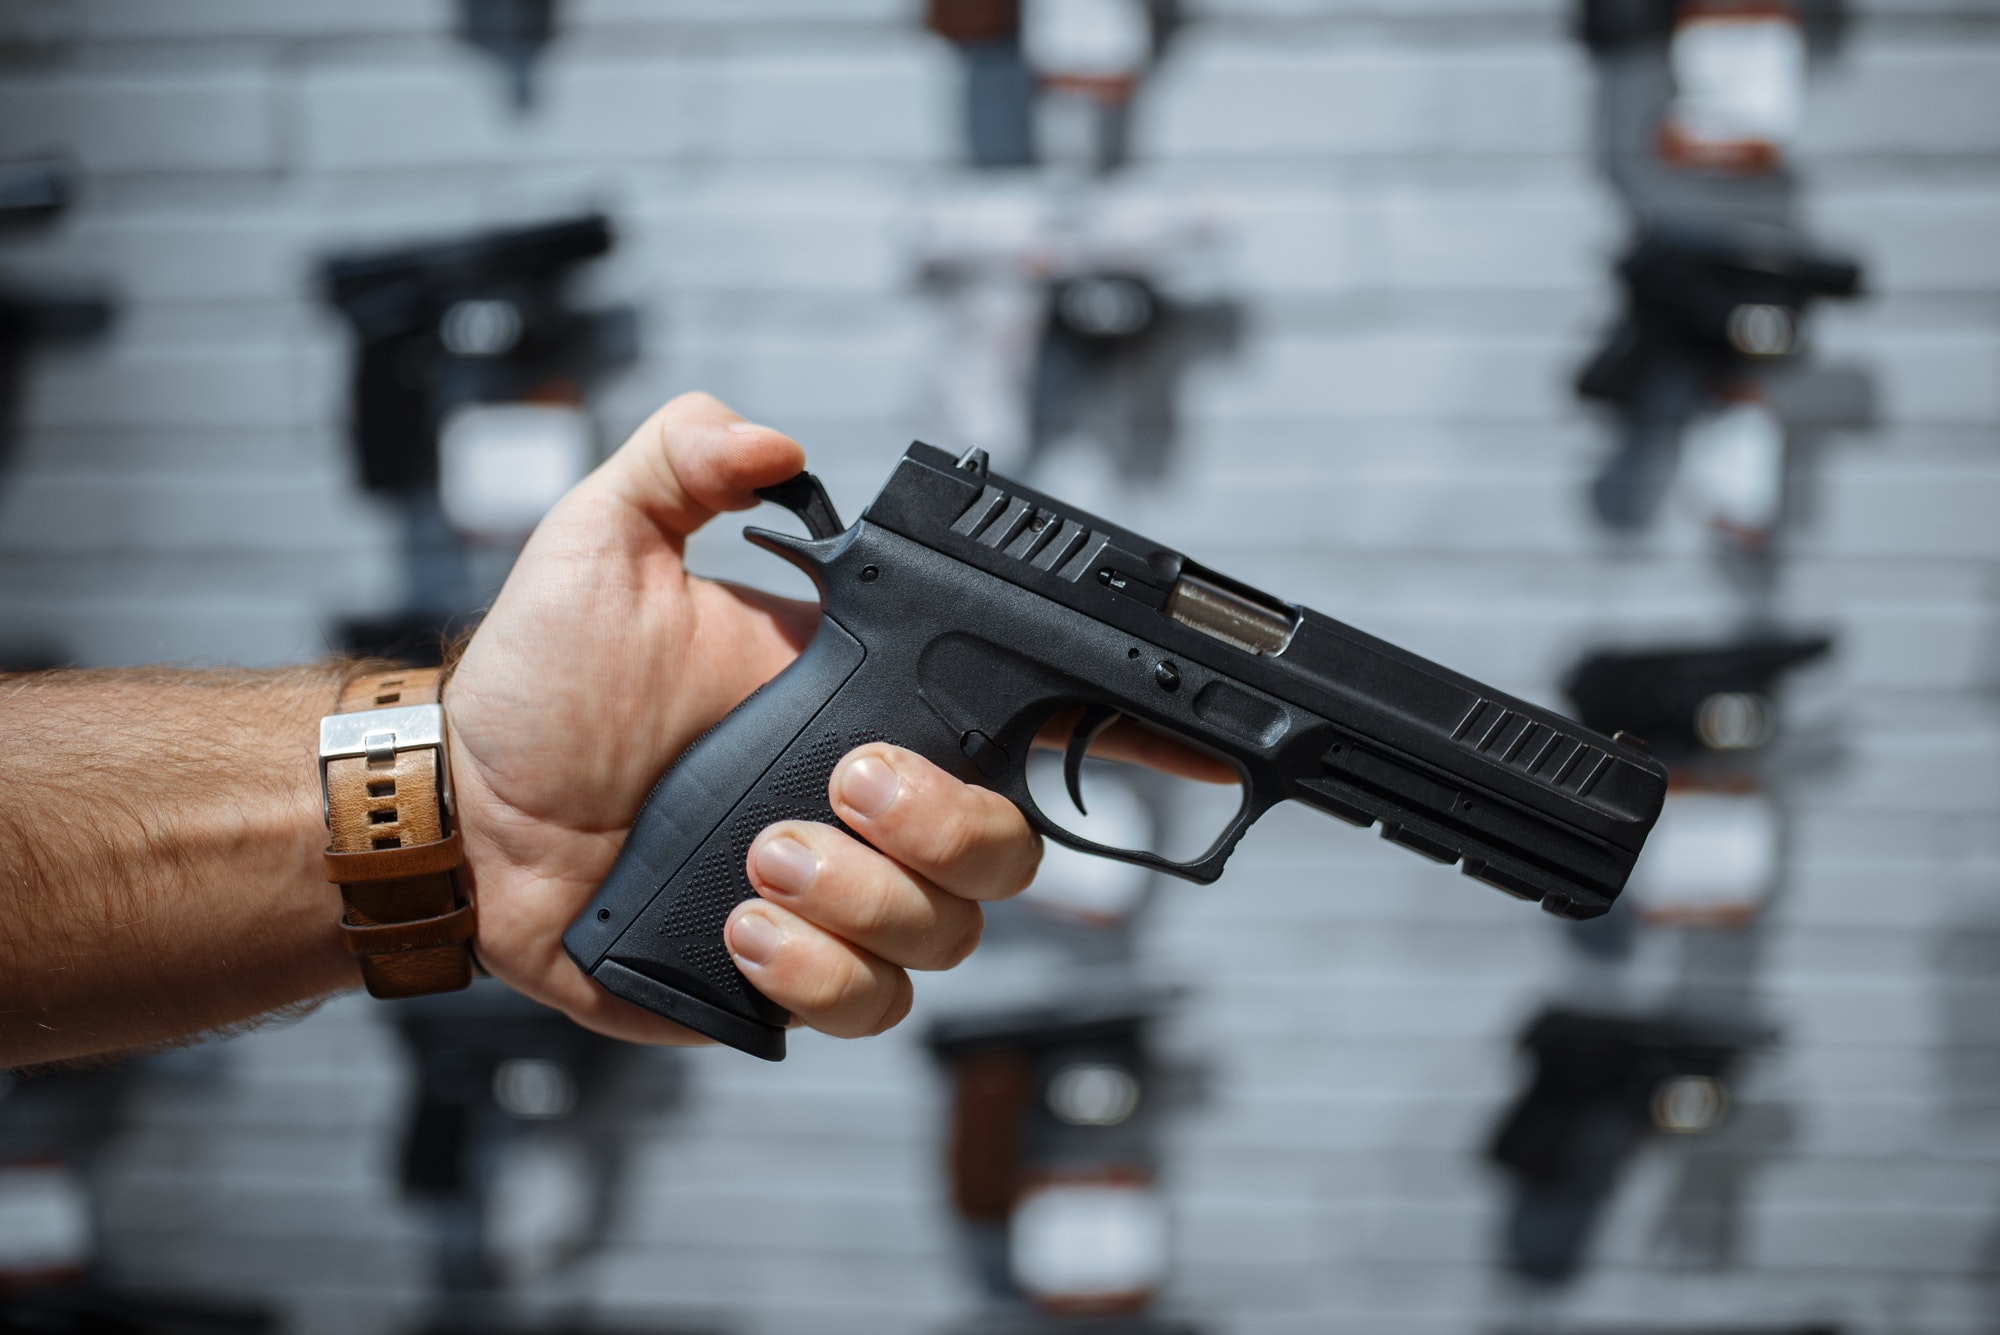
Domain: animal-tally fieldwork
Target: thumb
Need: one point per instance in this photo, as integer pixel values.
(693, 459)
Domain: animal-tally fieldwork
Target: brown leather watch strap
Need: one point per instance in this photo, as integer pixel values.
(394, 938)
(387, 864)
(392, 852)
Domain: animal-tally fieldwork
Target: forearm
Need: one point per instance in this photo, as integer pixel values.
(159, 840)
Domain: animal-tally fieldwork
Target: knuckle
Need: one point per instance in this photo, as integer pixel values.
(838, 987)
(1030, 864)
(853, 894)
(984, 847)
(896, 1006)
(967, 942)
(818, 990)
(873, 909)
(956, 837)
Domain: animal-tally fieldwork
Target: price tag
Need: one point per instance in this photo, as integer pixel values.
(1734, 470)
(541, 1204)
(1739, 86)
(1712, 861)
(44, 1220)
(1087, 40)
(502, 465)
(1089, 1245)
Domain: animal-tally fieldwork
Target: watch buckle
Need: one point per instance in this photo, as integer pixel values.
(377, 735)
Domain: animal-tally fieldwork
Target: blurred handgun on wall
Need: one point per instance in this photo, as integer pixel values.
(468, 405)
(1706, 317)
(1602, 1085)
(1052, 1155)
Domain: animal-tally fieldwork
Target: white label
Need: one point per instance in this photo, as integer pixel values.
(44, 1219)
(1073, 1241)
(1713, 857)
(1738, 78)
(540, 1204)
(983, 361)
(1735, 468)
(1087, 39)
(502, 465)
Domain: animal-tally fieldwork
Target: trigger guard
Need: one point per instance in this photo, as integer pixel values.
(1204, 870)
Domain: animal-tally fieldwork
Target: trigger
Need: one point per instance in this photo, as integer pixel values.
(1094, 721)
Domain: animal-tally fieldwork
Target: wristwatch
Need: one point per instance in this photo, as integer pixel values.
(392, 848)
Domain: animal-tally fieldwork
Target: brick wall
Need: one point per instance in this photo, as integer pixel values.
(1420, 246)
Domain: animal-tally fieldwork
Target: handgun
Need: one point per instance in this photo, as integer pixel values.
(33, 193)
(477, 319)
(1055, 1116)
(491, 1068)
(965, 611)
(1601, 1085)
(1693, 700)
(30, 319)
(1702, 310)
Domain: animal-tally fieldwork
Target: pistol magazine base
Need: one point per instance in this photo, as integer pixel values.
(759, 1040)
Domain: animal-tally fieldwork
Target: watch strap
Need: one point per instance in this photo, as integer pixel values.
(390, 846)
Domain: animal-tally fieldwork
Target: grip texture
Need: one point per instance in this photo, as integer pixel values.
(653, 932)
(698, 903)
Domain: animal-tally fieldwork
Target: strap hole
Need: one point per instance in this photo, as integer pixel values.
(382, 816)
(387, 841)
(391, 698)
(381, 787)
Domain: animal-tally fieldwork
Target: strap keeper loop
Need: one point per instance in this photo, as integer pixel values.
(395, 864)
(396, 938)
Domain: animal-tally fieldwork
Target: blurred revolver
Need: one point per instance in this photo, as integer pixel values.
(965, 611)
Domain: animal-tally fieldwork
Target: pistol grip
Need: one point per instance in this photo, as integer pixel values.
(653, 932)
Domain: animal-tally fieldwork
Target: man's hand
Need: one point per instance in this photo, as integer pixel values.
(163, 871)
(601, 661)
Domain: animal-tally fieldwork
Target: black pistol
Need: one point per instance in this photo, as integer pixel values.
(964, 611)
(1702, 311)
(1602, 1084)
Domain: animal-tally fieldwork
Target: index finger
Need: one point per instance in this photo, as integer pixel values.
(966, 840)
(1133, 742)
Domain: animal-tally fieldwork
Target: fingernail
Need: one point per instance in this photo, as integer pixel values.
(745, 428)
(754, 938)
(869, 786)
(786, 864)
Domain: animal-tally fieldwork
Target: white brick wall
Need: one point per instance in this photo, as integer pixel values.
(1409, 217)
(200, 116)
(1337, 95)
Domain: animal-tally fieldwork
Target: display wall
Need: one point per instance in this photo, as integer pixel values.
(1396, 221)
